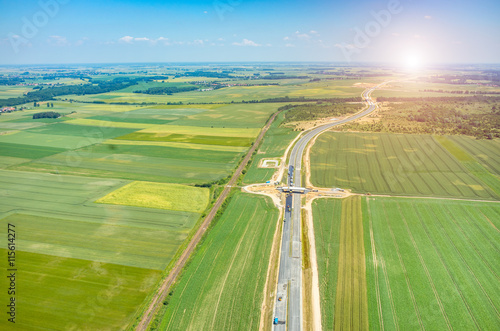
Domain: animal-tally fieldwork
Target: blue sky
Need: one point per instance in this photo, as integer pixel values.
(88, 31)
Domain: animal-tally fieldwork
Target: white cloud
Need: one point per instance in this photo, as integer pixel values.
(428, 17)
(126, 39)
(302, 36)
(131, 40)
(205, 12)
(58, 40)
(81, 41)
(221, 39)
(246, 42)
(163, 40)
(198, 42)
(313, 32)
(348, 46)
(286, 38)
(289, 45)
(268, 45)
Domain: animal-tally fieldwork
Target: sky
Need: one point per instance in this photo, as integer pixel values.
(407, 32)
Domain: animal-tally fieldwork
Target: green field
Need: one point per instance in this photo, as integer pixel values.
(432, 264)
(274, 145)
(413, 88)
(62, 219)
(92, 264)
(159, 195)
(223, 285)
(61, 293)
(341, 263)
(396, 164)
(291, 88)
(149, 144)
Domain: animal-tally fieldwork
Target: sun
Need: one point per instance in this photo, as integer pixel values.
(412, 62)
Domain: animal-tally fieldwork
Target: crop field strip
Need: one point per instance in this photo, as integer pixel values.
(486, 151)
(70, 202)
(78, 292)
(222, 287)
(327, 215)
(488, 173)
(441, 251)
(351, 309)
(393, 164)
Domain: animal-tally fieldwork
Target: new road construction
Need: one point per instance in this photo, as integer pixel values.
(288, 306)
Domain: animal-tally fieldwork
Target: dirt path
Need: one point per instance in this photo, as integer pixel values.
(162, 292)
(315, 298)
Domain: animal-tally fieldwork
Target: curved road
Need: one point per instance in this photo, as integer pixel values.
(288, 310)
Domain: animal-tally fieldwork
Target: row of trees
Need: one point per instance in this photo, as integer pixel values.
(167, 90)
(46, 114)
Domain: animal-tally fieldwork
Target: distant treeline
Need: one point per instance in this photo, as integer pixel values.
(167, 90)
(474, 98)
(11, 80)
(303, 99)
(462, 92)
(82, 89)
(274, 76)
(200, 73)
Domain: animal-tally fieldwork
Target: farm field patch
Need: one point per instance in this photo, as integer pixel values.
(295, 88)
(129, 166)
(341, 263)
(60, 293)
(199, 130)
(431, 263)
(189, 138)
(393, 164)
(222, 287)
(62, 219)
(89, 131)
(159, 195)
(242, 116)
(486, 152)
(274, 144)
(99, 123)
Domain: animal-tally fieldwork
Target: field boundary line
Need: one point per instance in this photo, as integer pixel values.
(162, 291)
(315, 297)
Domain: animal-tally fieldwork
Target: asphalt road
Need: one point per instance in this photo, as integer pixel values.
(288, 310)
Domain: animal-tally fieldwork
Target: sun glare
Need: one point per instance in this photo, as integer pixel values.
(412, 62)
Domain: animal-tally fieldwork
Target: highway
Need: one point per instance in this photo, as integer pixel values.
(288, 310)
